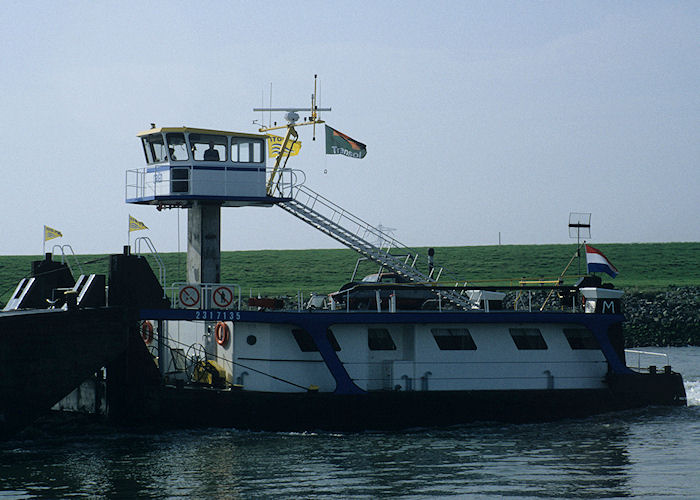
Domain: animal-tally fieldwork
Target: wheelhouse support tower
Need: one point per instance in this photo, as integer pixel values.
(201, 170)
(204, 242)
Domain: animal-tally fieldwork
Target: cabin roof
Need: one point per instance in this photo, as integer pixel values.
(197, 131)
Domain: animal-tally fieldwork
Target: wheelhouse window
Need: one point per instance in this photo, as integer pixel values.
(177, 146)
(245, 150)
(306, 342)
(453, 339)
(379, 339)
(581, 338)
(154, 148)
(208, 147)
(528, 338)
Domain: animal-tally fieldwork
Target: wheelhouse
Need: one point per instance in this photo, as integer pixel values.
(186, 164)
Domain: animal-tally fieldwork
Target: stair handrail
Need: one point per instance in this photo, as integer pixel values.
(344, 214)
(154, 253)
(361, 224)
(351, 238)
(65, 255)
(288, 179)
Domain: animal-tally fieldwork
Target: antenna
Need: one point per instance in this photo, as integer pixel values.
(292, 117)
(579, 225)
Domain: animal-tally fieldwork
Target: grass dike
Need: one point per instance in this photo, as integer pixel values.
(661, 280)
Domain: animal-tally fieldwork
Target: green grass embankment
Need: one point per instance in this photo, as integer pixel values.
(645, 267)
(658, 311)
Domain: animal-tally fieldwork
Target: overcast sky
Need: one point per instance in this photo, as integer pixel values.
(479, 117)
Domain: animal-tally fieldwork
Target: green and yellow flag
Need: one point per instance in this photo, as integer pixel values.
(51, 233)
(337, 143)
(274, 146)
(136, 225)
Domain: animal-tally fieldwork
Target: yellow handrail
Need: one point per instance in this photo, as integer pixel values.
(284, 152)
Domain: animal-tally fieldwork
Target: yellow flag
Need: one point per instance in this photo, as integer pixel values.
(274, 146)
(51, 233)
(136, 225)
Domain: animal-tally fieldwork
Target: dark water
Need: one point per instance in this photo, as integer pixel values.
(653, 452)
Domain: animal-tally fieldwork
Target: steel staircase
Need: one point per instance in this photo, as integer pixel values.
(353, 232)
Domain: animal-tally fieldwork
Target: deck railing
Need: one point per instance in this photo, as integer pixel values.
(649, 357)
(380, 297)
(172, 181)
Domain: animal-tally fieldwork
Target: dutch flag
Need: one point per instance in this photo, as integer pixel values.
(598, 263)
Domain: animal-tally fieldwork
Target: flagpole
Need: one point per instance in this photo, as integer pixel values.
(43, 244)
(561, 276)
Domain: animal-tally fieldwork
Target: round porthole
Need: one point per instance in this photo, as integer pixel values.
(251, 340)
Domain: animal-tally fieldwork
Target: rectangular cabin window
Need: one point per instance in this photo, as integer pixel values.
(379, 339)
(453, 339)
(244, 150)
(154, 147)
(208, 147)
(581, 338)
(258, 151)
(177, 146)
(180, 179)
(306, 342)
(528, 338)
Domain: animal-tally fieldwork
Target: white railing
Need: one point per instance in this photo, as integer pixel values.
(67, 251)
(147, 182)
(359, 235)
(290, 181)
(136, 186)
(651, 356)
(349, 222)
(154, 253)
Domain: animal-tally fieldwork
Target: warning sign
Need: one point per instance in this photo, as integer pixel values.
(189, 296)
(222, 297)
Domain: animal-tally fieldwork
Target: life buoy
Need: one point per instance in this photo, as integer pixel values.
(147, 332)
(221, 333)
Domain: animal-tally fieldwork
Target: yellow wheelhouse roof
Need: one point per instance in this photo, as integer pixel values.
(198, 131)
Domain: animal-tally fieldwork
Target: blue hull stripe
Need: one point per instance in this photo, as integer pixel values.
(165, 168)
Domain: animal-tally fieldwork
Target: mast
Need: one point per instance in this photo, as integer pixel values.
(292, 135)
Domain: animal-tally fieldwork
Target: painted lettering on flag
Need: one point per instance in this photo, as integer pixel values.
(337, 143)
(274, 146)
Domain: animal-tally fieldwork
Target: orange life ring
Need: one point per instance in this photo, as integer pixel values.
(221, 333)
(147, 332)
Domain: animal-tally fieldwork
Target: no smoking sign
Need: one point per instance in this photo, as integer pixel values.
(189, 296)
(222, 297)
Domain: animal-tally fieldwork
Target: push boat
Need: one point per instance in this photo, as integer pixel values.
(408, 347)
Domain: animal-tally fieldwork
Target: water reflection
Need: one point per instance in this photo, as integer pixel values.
(598, 457)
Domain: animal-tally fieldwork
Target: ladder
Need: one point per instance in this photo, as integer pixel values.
(353, 232)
